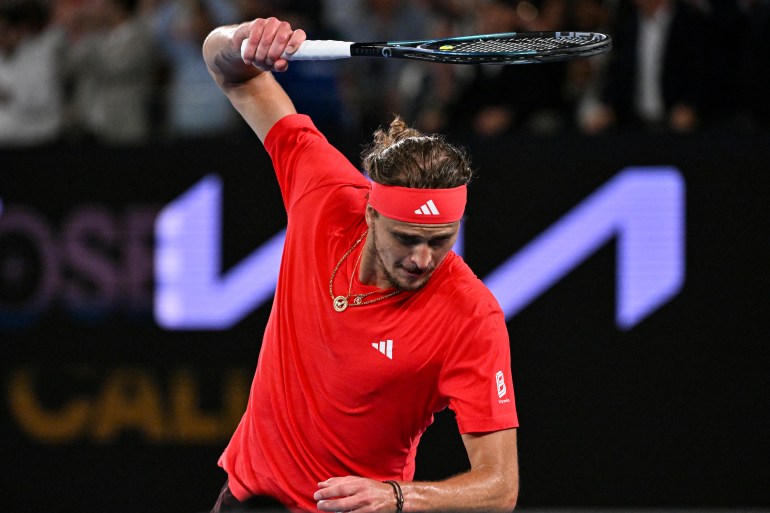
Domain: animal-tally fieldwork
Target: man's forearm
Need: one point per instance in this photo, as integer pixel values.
(484, 489)
(253, 92)
(491, 485)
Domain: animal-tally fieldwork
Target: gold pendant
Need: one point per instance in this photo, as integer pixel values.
(358, 300)
(340, 303)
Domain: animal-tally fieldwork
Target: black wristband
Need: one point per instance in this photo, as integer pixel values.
(399, 495)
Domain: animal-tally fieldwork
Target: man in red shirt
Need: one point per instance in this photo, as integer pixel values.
(376, 323)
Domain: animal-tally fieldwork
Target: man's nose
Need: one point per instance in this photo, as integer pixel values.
(421, 256)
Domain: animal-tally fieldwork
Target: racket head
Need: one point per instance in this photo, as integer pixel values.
(506, 48)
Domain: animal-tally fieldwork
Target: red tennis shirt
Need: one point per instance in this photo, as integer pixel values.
(351, 393)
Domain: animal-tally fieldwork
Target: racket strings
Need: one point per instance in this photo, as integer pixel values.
(517, 45)
(513, 48)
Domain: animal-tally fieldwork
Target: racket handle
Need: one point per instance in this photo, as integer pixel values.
(313, 50)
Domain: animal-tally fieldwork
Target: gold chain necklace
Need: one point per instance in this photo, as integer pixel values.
(341, 303)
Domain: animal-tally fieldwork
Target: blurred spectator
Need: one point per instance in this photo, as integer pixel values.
(110, 64)
(586, 77)
(192, 103)
(370, 85)
(297, 12)
(658, 77)
(314, 87)
(755, 56)
(661, 73)
(739, 70)
(30, 82)
(426, 90)
(501, 99)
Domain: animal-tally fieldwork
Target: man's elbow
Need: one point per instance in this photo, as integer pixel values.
(513, 498)
(509, 495)
(509, 499)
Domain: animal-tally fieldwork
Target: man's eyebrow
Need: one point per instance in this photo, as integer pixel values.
(406, 235)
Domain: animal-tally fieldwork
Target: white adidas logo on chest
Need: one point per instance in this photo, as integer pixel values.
(385, 347)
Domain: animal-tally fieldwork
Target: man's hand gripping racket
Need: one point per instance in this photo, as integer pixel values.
(506, 48)
(268, 44)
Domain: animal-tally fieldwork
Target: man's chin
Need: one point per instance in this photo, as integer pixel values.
(412, 285)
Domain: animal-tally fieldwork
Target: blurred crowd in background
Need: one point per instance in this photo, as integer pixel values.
(126, 72)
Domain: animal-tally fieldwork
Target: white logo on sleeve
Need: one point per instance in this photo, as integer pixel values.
(384, 347)
(429, 209)
(501, 390)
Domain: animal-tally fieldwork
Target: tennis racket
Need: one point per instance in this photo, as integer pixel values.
(507, 48)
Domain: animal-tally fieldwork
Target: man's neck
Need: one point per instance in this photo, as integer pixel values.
(370, 271)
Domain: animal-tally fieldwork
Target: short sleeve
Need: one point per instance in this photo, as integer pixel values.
(476, 375)
(304, 160)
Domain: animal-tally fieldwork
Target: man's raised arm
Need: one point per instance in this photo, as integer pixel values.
(251, 89)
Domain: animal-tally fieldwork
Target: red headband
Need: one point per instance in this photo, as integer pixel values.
(421, 206)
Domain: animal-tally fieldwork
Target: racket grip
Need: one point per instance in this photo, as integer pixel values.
(315, 50)
(320, 50)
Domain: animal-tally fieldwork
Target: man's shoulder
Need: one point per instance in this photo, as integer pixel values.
(466, 291)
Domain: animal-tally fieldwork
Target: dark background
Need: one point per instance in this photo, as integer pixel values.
(672, 413)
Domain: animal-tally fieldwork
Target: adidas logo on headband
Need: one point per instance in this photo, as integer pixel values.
(428, 209)
(398, 203)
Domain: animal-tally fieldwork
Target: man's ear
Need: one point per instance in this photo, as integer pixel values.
(370, 215)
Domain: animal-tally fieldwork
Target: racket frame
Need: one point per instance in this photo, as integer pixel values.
(598, 44)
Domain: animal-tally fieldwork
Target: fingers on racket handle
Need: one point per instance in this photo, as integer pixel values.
(315, 51)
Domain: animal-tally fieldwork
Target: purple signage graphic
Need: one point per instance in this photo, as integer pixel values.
(191, 293)
(643, 208)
